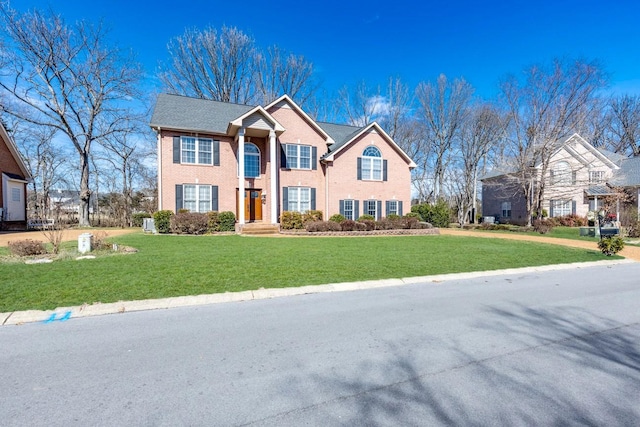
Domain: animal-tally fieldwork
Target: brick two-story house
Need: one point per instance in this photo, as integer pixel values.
(259, 161)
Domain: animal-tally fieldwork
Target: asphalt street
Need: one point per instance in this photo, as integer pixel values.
(546, 348)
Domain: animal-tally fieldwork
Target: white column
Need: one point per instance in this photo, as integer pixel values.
(241, 218)
(274, 178)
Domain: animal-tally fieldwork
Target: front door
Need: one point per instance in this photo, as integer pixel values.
(252, 205)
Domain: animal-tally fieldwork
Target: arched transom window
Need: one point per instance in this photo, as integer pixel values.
(372, 164)
(251, 160)
(561, 174)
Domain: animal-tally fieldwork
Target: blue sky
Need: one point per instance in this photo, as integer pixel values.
(353, 41)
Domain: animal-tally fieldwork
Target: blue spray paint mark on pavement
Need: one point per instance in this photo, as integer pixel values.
(65, 316)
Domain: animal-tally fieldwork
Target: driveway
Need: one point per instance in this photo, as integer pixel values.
(631, 252)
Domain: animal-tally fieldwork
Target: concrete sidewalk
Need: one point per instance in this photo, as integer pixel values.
(66, 313)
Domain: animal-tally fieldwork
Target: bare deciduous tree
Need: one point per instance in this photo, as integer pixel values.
(550, 103)
(227, 66)
(67, 78)
(444, 106)
(624, 125)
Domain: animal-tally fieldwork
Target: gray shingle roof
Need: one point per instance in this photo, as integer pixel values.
(182, 112)
(341, 134)
(614, 157)
(629, 173)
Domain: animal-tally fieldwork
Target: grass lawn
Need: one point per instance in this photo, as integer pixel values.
(168, 266)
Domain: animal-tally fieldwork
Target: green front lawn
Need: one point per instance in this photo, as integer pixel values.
(167, 266)
(572, 233)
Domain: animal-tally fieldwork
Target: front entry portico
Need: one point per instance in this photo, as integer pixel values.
(252, 204)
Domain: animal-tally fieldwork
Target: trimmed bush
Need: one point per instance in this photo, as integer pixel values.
(369, 224)
(162, 221)
(227, 221)
(321, 226)
(412, 215)
(291, 221)
(337, 218)
(611, 245)
(311, 216)
(213, 223)
(386, 224)
(438, 214)
(190, 223)
(366, 217)
(137, 219)
(27, 247)
(348, 225)
(542, 226)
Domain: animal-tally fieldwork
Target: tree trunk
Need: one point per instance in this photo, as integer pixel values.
(85, 192)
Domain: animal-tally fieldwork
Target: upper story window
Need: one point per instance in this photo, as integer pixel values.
(196, 150)
(561, 174)
(298, 156)
(596, 177)
(372, 164)
(251, 160)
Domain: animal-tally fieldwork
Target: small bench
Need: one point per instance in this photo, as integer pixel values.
(40, 224)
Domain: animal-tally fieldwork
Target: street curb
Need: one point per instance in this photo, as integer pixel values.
(98, 309)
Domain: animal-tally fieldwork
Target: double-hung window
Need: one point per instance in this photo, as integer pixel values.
(561, 207)
(372, 164)
(298, 156)
(596, 177)
(196, 150)
(393, 207)
(506, 209)
(299, 199)
(371, 208)
(348, 209)
(196, 198)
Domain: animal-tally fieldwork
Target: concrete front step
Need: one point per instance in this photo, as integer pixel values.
(255, 229)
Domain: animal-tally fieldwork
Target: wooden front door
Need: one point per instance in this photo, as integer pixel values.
(252, 205)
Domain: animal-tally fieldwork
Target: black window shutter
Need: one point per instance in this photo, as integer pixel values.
(573, 207)
(314, 158)
(342, 207)
(178, 197)
(216, 153)
(573, 177)
(283, 156)
(384, 170)
(379, 209)
(285, 199)
(214, 198)
(360, 168)
(400, 208)
(387, 207)
(313, 199)
(356, 209)
(176, 149)
(551, 208)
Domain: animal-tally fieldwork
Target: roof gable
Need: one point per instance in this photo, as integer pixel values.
(257, 118)
(13, 149)
(330, 156)
(576, 138)
(285, 100)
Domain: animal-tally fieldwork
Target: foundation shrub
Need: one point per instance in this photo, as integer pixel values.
(27, 247)
(438, 214)
(386, 224)
(227, 221)
(369, 223)
(162, 221)
(190, 223)
(312, 215)
(337, 218)
(291, 221)
(412, 215)
(213, 221)
(366, 217)
(360, 226)
(348, 225)
(322, 226)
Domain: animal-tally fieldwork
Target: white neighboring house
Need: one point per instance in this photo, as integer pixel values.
(13, 184)
(578, 177)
